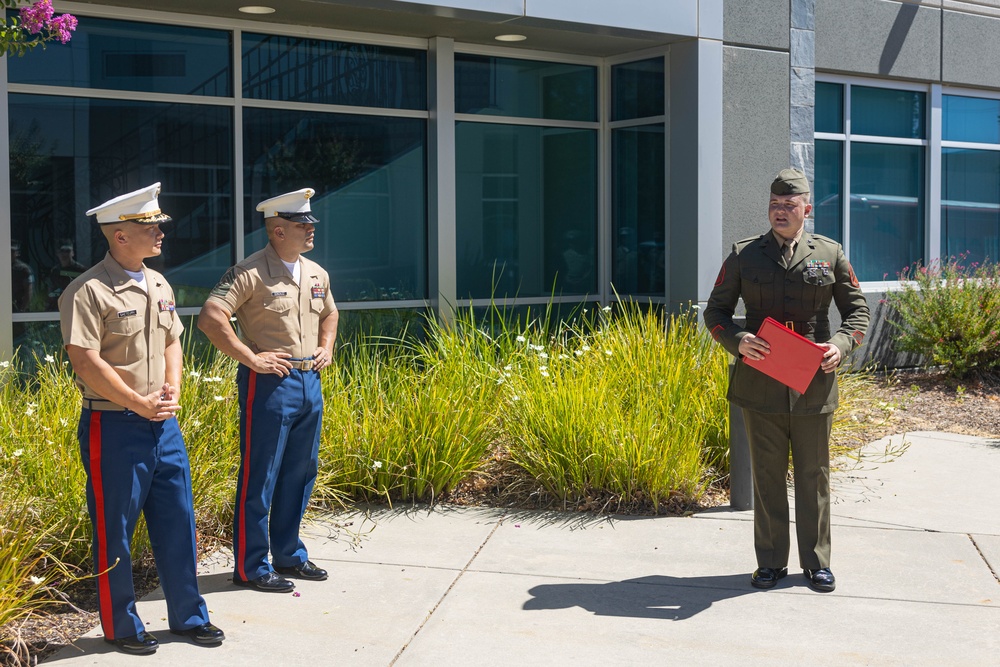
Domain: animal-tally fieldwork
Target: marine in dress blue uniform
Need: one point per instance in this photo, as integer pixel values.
(122, 335)
(287, 322)
(793, 277)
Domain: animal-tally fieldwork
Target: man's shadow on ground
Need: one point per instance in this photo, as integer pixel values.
(656, 596)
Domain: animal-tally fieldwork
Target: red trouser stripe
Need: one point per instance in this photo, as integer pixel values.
(241, 506)
(97, 482)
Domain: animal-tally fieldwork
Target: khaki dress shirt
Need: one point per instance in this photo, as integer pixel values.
(274, 314)
(104, 309)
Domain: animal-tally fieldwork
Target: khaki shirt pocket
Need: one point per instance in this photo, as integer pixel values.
(278, 305)
(128, 325)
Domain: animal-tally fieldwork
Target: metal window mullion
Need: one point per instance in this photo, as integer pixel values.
(531, 122)
(605, 225)
(935, 159)
(845, 197)
(239, 219)
(6, 280)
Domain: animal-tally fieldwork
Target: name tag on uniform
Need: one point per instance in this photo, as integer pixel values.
(166, 306)
(279, 293)
(126, 313)
(318, 292)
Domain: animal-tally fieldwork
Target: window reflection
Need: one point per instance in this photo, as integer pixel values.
(639, 210)
(370, 179)
(527, 210)
(887, 208)
(324, 72)
(524, 88)
(128, 55)
(93, 150)
(970, 210)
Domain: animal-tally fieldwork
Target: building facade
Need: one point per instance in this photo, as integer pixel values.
(521, 151)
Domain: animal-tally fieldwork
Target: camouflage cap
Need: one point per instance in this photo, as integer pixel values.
(790, 182)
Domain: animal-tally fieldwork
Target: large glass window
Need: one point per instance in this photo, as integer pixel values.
(369, 174)
(828, 211)
(297, 69)
(970, 178)
(638, 89)
(638, 177)
(494, 86)
(128, 55)
(69, 154)
(527, 210)
(879, 213)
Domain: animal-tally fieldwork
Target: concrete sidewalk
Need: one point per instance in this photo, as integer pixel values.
(916, 552)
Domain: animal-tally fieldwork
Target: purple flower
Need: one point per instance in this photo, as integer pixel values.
(62, 26)
(37, 16)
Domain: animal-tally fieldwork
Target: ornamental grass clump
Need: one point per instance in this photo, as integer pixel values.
(949, 312)
(407, 420)
(626, 407)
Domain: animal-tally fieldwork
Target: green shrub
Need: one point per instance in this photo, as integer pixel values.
(950, 314)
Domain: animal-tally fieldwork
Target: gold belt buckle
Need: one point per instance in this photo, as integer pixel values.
(790, 325)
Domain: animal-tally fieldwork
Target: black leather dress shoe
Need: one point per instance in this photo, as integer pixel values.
(139, 644)
(205, 634)
(767, 577)
(269, 583)
(821, 580)
(306, 570)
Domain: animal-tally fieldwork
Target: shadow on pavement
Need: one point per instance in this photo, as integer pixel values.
(657, 596)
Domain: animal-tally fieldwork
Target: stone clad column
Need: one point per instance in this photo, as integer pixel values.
(802, 87)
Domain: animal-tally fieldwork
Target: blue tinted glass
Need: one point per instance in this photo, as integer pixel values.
(370, 179)
(971, 119)
(527, 210)
(829, 107)
(69, 154)
(524, 88)
(638, 210)
(312, 70)
(126, 55)
(828, 198)
(885, 112)
(637, 89)
(887, 209)
(970, 206)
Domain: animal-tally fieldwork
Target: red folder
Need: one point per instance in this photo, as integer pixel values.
(794, 359)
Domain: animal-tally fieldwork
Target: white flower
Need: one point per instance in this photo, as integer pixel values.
(220, 398)
(543, 355)
(196, 423)
(499, 380)
(16, 453)
(63, 421)
(564, 356)
(515, 398)
(376, 465)
(606, 309)
(607, 352)
(585, 348)
(537, 348)
(49, 358)
(545, 374)
(543, 368)
(520, 339)
(508, 367)
(195, 374)
(36, 580)
(4, 364)
(579, 353)
(30, 411)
